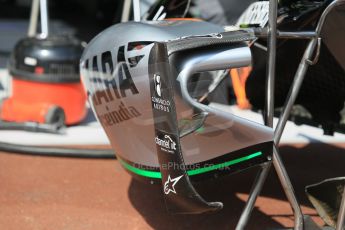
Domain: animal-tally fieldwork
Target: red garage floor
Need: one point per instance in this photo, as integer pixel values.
(59, 193)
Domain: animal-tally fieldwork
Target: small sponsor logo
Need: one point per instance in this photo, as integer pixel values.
(158, 102)
(118, 115)
(167, 144)
(161, 104)
(157, 79)
(169, 185)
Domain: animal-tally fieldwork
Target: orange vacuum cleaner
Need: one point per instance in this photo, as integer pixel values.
(46, 87)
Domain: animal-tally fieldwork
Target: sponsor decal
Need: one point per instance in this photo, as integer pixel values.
(157, 80)
(167, 144)
(111, 85)
(158, 102)
(169, 185)
(161, 104)
(119, 115)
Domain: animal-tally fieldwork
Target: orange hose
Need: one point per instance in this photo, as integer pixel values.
(239, 77)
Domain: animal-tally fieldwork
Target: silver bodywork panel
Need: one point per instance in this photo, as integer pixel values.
(124, 107)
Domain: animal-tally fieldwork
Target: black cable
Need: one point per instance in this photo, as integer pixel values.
(32, 127)
(57, 151)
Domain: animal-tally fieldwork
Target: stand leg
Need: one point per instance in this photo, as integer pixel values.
(33, 18)
(253, 195)
(126, 10)
(271, 62)
(44, 19)
(288, 189)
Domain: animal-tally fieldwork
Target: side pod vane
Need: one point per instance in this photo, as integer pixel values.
(179, 193)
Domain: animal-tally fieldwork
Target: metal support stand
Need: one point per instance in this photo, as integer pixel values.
(271, 63)
(269, 110)
(39, 6)
(253, 195)
(136, 10)
(288, 189)
(126, 10)
(44, 19)
(294, 89)
(307, 60)
(278, 164)
(33, 18)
